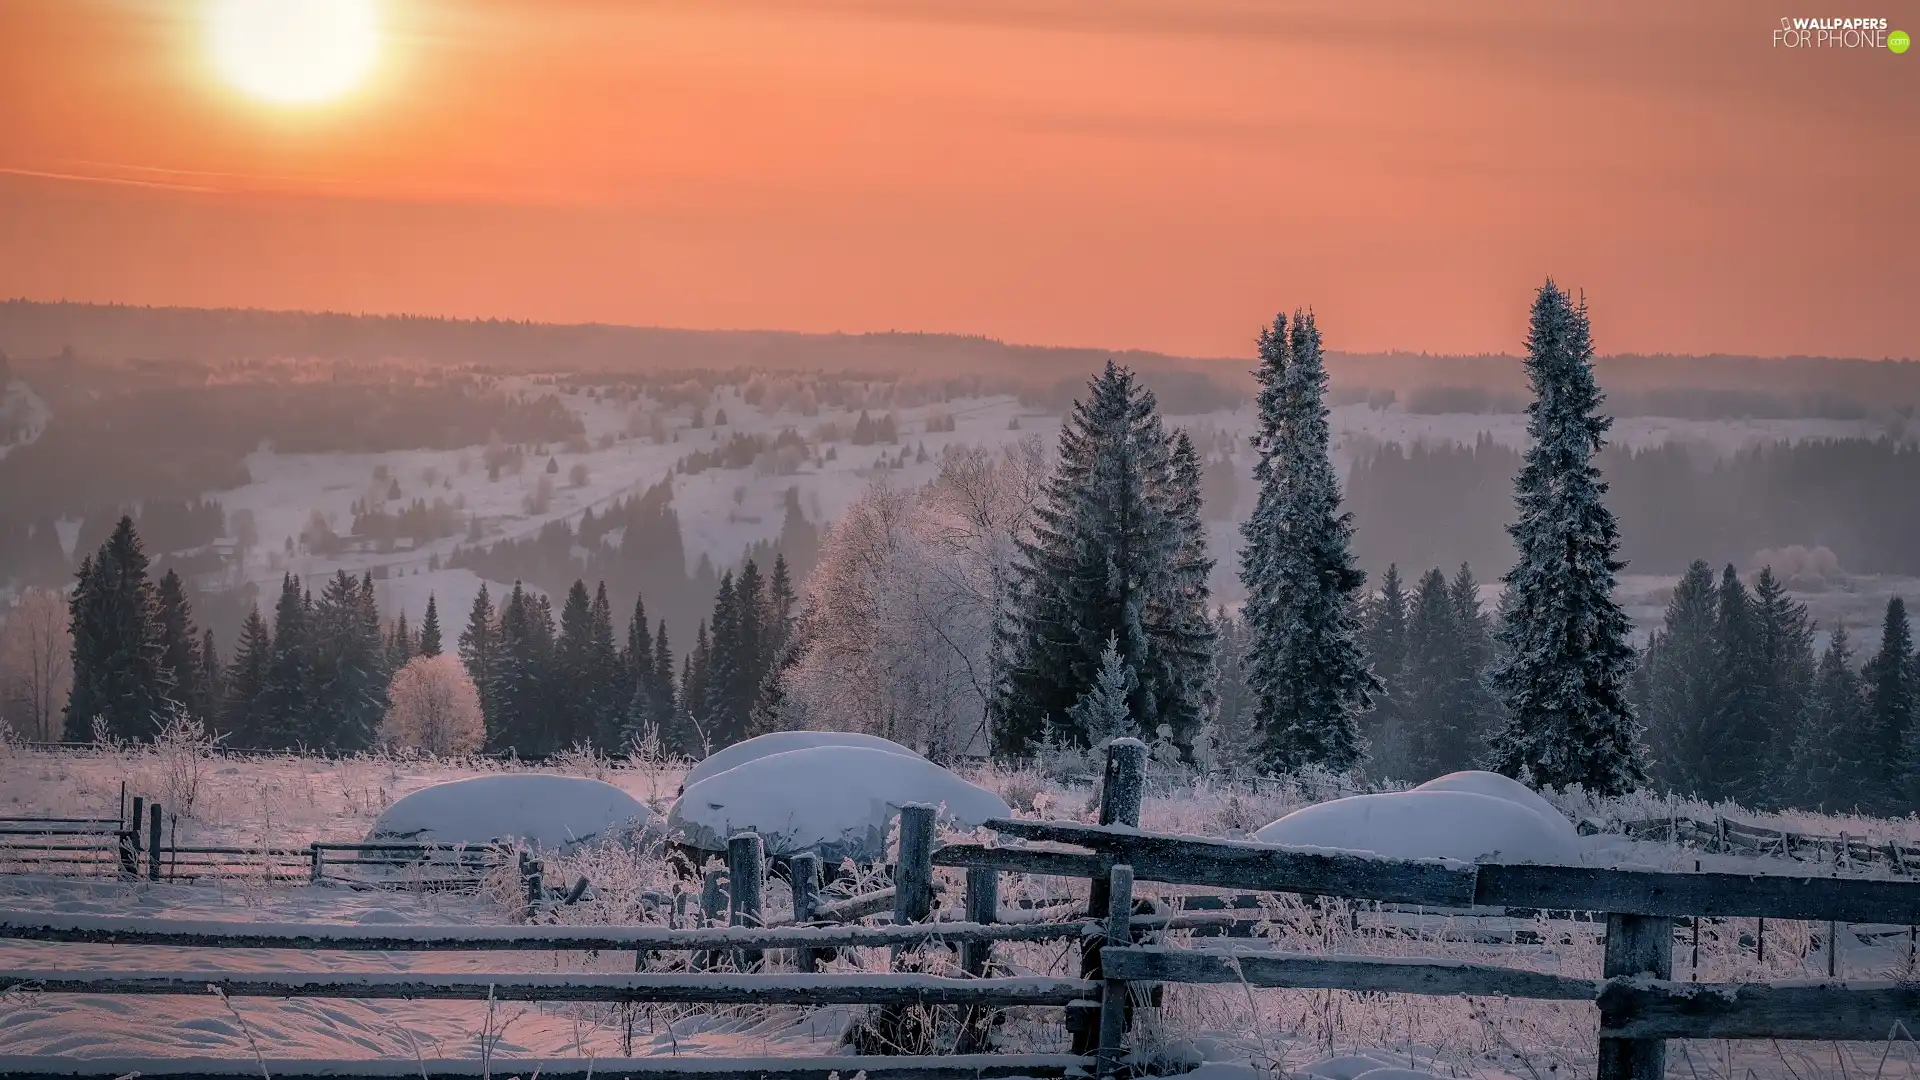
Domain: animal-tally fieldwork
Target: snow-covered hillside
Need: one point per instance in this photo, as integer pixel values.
(724, 510)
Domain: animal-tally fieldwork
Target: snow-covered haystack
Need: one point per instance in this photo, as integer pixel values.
(1460, 825)
(553, 812)
(1493, 785)
(837, 800)
(780, 742)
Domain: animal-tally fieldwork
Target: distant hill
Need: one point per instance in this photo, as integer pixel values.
(1706, 386)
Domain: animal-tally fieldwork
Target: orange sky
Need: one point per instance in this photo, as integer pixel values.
(1161, 174)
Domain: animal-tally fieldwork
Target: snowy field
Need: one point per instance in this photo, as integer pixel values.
(1277, 1033)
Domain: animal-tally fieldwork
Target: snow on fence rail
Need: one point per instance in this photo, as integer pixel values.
(1640, 1004)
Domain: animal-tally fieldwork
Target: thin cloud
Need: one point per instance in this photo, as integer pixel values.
(43, 174)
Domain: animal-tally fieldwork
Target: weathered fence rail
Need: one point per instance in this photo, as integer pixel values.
(1727, 836)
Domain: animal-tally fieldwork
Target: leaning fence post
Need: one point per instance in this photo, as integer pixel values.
(747, 876)
(1636, 945)
(154, 825)
(1113, 994)
(803, 873)
(1120, 790)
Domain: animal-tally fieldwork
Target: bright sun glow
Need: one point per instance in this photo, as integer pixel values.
(293, 52)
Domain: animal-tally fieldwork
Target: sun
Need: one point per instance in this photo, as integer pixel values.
(293, 52)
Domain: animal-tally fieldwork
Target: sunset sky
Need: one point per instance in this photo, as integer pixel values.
(1161, 174)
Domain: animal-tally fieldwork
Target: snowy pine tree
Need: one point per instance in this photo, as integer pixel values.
(1683, 684)
(1833, 750)
(430, 629)
(1783, 639)
(1103, 563)
(119, 671)
(1305, 665)
(246, 681)
(478, 647)
(180, 648)
(1562, 676)
(1893, 707)
(284, 709)
(1103, 712)
(1383, 635)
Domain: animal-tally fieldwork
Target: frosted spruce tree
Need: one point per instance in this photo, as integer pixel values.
(1110, 558)
(1565, 657)
(1102, 712)
(1305, 667)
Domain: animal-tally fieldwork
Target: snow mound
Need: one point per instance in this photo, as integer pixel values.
(1493, 785)
(780, 742)
(836, 800)
(544, 811)
(1458, 825)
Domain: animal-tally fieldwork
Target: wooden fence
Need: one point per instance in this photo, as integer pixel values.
(138, 845)
(1640, 1004)
(1726, 836)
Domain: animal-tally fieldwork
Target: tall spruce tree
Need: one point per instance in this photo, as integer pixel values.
(180, 648)
(479, 646)
(1562, 675)
(1684, 684)
(1437, 709)
(350, 672)
(430, 629)
(611, 689)
(1892, 708)
(726, 667)
(1383, 634)
(1306, 668)
(664, 712)
(241, 716)
(1783, 634)
(691, 714)
(524, 715)
(1180, 618)
(120, 676)
(1474, 654)
(1833, 751)
(213, 681)
(401, 644)
(285, 709)
(1101, 564)
(573, 670)
(1738, 753)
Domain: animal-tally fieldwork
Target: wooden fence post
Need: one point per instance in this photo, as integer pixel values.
(1121, 786)
(316, 864)
(1636, 945)
(530, 877)
(712, 899)
(1113, 995)
(130, 840)
(803, 873)
(913, 865)
(983, 907)
(747, 878)
(154, 826)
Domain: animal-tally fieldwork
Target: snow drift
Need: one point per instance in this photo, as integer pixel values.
(780, 742)
(836, 800)
(1460, 825)
(552, 812)
(1493, 785)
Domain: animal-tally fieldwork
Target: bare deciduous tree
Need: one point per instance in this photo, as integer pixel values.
(901, 609)
(36, 665)
(433, 706)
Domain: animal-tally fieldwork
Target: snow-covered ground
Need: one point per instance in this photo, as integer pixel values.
(1276, 1033)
